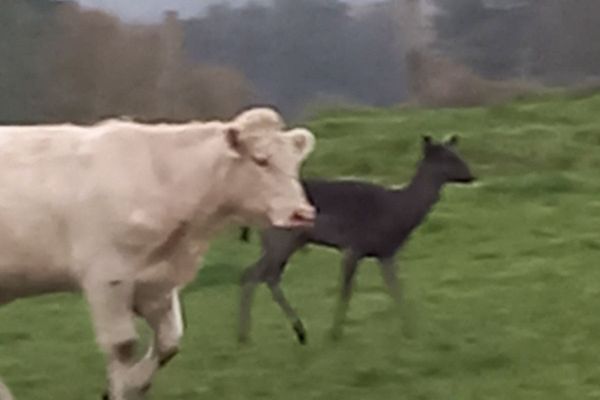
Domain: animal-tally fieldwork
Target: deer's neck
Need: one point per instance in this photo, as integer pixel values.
(415, 201)
(424, 189)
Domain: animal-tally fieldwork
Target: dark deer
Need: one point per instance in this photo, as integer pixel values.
(361, 220)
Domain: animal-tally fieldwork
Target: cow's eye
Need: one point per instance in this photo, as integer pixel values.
(261, 161)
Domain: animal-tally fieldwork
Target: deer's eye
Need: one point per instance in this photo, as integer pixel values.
(261, 161)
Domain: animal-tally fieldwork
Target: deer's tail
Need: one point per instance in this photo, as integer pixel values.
(244, 236)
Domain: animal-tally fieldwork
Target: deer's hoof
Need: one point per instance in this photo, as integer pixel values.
(300, 332)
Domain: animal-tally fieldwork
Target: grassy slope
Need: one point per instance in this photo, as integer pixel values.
(501, 281)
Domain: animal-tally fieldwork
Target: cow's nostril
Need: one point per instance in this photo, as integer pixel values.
(303, 215)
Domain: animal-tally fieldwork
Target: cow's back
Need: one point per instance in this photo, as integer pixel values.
(67, 191)
(53, 184)
(41, 170)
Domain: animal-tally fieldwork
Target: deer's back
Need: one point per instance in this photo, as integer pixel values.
(351, 214)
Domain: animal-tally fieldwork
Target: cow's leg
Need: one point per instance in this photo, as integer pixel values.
(168, 328)
(110, 302)
(277, 245)
(164, 316)
(4, 392)
(349, 265)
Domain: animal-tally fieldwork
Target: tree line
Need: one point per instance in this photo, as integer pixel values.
(552, 41)
(61, 62)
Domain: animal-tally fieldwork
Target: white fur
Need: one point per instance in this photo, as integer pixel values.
(122, 209)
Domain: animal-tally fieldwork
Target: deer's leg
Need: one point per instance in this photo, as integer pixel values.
(394, 285)
(278, 245)
(250, 279)
(273, 281)
(244, 234)
(349, 265)
(389, 274)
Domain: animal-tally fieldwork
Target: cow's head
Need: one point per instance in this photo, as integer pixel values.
(263, 183)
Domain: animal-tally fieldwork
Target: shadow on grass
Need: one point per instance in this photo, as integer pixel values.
(216, 274)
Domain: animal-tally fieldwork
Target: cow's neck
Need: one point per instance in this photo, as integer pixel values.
(193, 166)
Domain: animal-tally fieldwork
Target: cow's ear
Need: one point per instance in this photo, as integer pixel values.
(232, 137)
(303, 141)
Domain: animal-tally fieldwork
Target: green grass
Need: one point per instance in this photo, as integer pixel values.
(501, 281)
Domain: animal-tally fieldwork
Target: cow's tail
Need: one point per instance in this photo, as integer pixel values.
(4, 392)
(244, 236)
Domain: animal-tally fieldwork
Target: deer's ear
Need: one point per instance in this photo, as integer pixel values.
(427, 142)
(452, 141)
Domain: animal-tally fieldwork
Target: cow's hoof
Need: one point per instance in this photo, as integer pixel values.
(168, 357)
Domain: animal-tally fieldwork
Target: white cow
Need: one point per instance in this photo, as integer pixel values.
(123, 211)
(4, 393)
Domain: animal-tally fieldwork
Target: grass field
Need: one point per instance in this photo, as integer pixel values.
(502, 281)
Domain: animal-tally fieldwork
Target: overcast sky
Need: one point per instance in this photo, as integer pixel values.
(152, 10)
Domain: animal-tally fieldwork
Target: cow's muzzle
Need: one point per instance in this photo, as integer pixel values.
(302, 217)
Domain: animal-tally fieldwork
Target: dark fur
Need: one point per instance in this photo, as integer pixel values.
(360, 219)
